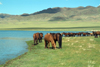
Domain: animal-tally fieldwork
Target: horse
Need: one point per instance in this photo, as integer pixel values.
(96, 34)
(47, 39)
(41, 36)
(66, 34)
(84, 34)
(79, 34)
(91, 34)
(72, 34)
(36, 37)
(57, 37)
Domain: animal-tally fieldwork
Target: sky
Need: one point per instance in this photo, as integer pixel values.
(18, 7)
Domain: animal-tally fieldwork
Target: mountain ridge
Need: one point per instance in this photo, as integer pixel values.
(55, 14)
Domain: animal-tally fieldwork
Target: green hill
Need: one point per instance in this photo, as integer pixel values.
(56, 14)
(42, 18)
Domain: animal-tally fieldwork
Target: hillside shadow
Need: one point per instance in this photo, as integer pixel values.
(49, 10)
(58, 19)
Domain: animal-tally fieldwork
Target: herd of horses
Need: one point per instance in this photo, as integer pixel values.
(53, 37)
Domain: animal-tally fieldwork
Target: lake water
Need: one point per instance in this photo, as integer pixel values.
(12, 43)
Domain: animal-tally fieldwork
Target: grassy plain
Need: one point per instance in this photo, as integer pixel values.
(76, 52)
(53, 25)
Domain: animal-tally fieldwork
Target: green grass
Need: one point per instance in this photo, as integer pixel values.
(54, 25)
(75, 52)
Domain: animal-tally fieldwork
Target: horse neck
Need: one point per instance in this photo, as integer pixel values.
(52, 40)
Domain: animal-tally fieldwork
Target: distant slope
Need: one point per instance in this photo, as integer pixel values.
(55, 14)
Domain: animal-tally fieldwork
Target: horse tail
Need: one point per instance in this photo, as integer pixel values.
(39, 37)
(34, 38)
(60, 41)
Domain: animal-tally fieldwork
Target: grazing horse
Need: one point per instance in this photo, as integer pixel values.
(41, 35)
(47, 39)
(36, 37)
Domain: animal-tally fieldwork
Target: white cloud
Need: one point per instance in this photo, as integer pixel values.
(0, 3)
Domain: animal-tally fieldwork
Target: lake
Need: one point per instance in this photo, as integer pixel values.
(12, 43)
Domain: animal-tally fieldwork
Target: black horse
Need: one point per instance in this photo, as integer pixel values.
(57, 37)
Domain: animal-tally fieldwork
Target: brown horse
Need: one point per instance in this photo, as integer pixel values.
(84, 34)
(47, 39)
(91, 34)
(66, 34)
(72, 34)
(79, 34)
(96, 34)
(36, 37)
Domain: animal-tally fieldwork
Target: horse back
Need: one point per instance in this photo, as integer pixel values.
(36, 36)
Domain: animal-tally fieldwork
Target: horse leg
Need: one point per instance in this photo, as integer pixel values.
(96, 36)
(60, 41)
(34, 41)
(48, 44)
(45, 44)
(39, 40)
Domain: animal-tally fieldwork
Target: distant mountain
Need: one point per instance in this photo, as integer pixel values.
(49, 10)
(78, 11)
(4, 15)
(56, 14)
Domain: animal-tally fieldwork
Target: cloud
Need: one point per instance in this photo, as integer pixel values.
(0, 3)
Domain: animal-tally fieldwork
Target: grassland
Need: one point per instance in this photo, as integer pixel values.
(53, 25)
(76, 52)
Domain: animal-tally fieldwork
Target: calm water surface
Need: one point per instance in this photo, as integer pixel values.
(12, 43)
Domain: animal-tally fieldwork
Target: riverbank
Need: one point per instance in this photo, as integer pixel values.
(76, 52)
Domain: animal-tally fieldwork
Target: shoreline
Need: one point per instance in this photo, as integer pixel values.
(9, 61)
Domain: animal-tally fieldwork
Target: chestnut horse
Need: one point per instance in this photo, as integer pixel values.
(47, 39)
(66, 34)
(36, 37)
